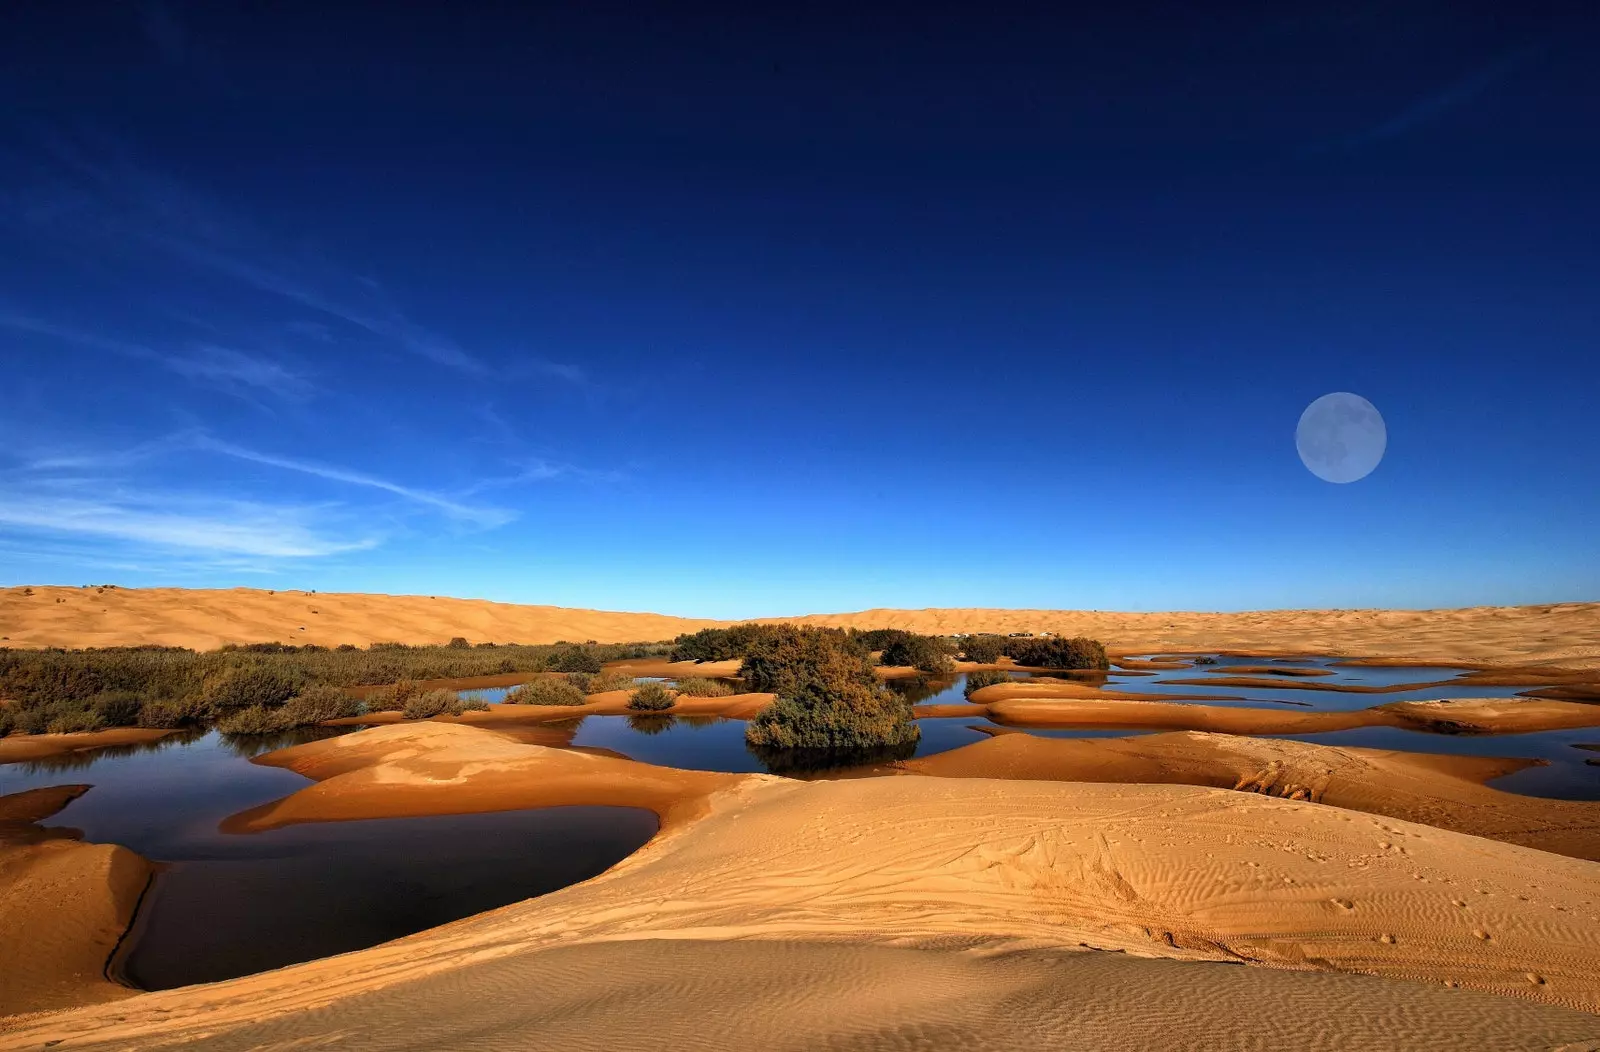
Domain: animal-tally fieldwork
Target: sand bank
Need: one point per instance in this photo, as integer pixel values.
(63, 906)
(1565, 635)
(18, 748)
(1179, 872)
(1437, 790)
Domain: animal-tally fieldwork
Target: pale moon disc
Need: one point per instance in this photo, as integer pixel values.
(1341, 437)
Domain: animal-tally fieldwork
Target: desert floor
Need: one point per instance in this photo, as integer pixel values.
(1563, 635)
(1200, 887)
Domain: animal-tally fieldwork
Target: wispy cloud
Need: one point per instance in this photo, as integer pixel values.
(479, 515)
(174, 522)
(1437, 103)
(226, 368)
(99, 193)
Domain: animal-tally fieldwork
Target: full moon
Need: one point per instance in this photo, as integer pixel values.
(1341, 437)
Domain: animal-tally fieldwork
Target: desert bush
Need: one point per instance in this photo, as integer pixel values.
(257, 719)
(472, 705)
(166, 714)
(392, 698)
(983, 678)
(75, 721)
(828, 697)
(241, 686)
(458, 643)
(985, 648)
(116, 708)
(429, 703)
(315, 704)
(700, 687)
(547, 692)
(608, 681)
(720, 644)
(925, 653)
(650, 696)
(1205, 660)
(577, 659)
(1078, 652)
(8, 722)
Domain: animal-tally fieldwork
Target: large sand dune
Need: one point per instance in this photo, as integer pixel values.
(1561, 635)
(967, 872)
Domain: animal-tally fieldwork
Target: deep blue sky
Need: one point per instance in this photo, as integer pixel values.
(724, 314)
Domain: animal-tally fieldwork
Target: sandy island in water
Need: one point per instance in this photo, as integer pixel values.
(953, 886)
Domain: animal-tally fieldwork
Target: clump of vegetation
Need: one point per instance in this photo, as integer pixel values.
(8, 722)
(721, 644)
(983, 678)
(609, 681)
(393, 698)
(171, 687)
(1079, 652)
(430, 703)
(924, 653)
(700, 687)
(319, 703)
(547, 692)
(1205, 659)
(828, 697)
(984, 648)
(257, 719)
(650, 697)
(456, 642)
(577, 659)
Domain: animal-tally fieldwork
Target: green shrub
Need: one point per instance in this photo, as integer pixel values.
(983, 678)
(473, 705)
(458, 643)
(609, 681)
(75, 721)
(720, 644)
(315, 704)
(577, 659)
(546, 692)
(828, 697)
(430, 703)
(169, 715)
(8, 722)
(116, 708)
(393, 698)
(650, 696)
(242, 686)
(1078, 652)
(924, 653)
(984, 649)
(257, 719)
(699, 687)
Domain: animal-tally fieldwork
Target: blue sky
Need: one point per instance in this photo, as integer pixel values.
(727, 315)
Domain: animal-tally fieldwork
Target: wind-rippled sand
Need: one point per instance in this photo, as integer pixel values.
(894, 912)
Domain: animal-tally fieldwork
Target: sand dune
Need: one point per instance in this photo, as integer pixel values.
(1437, 790)
(1177, 872)
(1560, 635)
(794, 996)
(65, 907)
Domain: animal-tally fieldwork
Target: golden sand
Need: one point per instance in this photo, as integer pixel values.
(1564, 635)
(959, 869)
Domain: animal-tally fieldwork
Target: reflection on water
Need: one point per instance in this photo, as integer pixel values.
(227, 905)
(270, 899)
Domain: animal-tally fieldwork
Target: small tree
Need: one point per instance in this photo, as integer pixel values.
(459, 643)
(924, 653)
(984, 649)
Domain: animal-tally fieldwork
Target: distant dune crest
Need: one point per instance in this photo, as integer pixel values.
(1552, 635)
